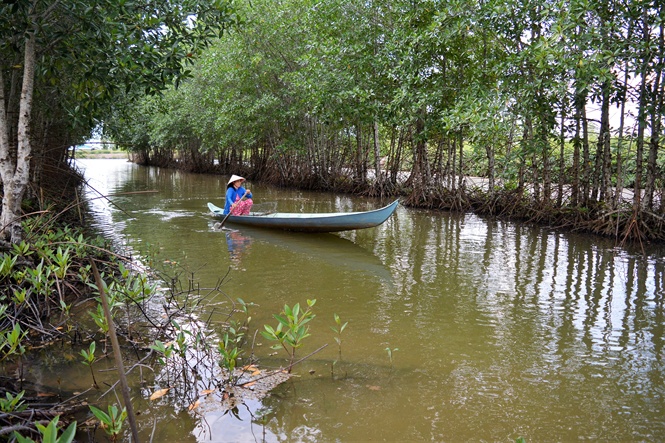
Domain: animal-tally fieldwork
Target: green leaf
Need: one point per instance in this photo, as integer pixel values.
(101, 415)
(69, 434)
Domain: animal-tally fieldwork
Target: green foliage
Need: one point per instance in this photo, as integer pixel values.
(112, 421)
(165, 350)
(89, 355)
(20, 296)
(338, 329)
(7, 265)
(292, 328)
(39, 278)
(99, 317)
(181, 344)
(230, 352)
(49, 433)
(459, 88)
(11, 342)
(62, 264)
(244, 307)
(135, 287)
(22, 248)
(89, 358)
(12, 403)
(189, 347)
(141, 49)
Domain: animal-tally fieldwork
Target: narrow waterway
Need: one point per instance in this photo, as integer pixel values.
(496, 330)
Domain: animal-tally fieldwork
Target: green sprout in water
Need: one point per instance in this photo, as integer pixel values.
(338, 329)
(390, 355)
(88, 360)
(338, 334)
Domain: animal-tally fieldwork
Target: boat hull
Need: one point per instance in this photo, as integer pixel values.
(311, 222)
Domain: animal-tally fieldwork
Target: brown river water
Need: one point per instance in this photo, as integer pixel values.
(497, 330)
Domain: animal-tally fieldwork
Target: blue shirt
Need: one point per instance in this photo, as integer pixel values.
(231, 194)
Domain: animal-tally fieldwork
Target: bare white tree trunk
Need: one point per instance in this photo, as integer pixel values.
(15, 171)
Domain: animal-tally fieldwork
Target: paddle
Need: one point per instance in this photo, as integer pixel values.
(221, 225)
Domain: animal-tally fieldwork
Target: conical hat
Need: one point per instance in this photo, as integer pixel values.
(235, 178)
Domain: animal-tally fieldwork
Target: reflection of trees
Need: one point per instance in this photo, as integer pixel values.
(559, 307)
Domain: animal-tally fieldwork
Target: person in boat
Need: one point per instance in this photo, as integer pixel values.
(238, 199)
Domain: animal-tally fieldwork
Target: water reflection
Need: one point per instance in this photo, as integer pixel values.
(237, 244)
(504, 330)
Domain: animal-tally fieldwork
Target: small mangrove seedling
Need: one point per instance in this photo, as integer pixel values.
(390, 355)
(338, 334)
(88, 360)
(99, 318)
(230, 353)
(291, 330)
(7, 265)
(11, 404)
(11, 342)
(111, 422)
(338, 329)
(20, 296)
(244, 307)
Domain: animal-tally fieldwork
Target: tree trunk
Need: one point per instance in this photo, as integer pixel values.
(448, 170)
(491, 166)
(361, 162)
(378, 167)
(586, 170)
(639, 154)
(527, 140)
(562, 155)
(4, 129)
(460, 161)
(641, 119)
(15, 173)
(421, 170)
(603, 160)
(547, 173)
(656, 108)
(618, 190)
(577, 144)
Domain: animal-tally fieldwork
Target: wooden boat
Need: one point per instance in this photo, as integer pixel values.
(311, 222)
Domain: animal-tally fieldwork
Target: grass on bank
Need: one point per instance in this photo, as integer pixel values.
(100, 153)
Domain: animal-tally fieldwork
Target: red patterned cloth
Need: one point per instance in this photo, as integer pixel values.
(242, 207)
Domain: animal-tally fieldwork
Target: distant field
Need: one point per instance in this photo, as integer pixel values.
(100, 153)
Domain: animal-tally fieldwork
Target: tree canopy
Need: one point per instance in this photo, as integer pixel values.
(65, 62)
(556, 105)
